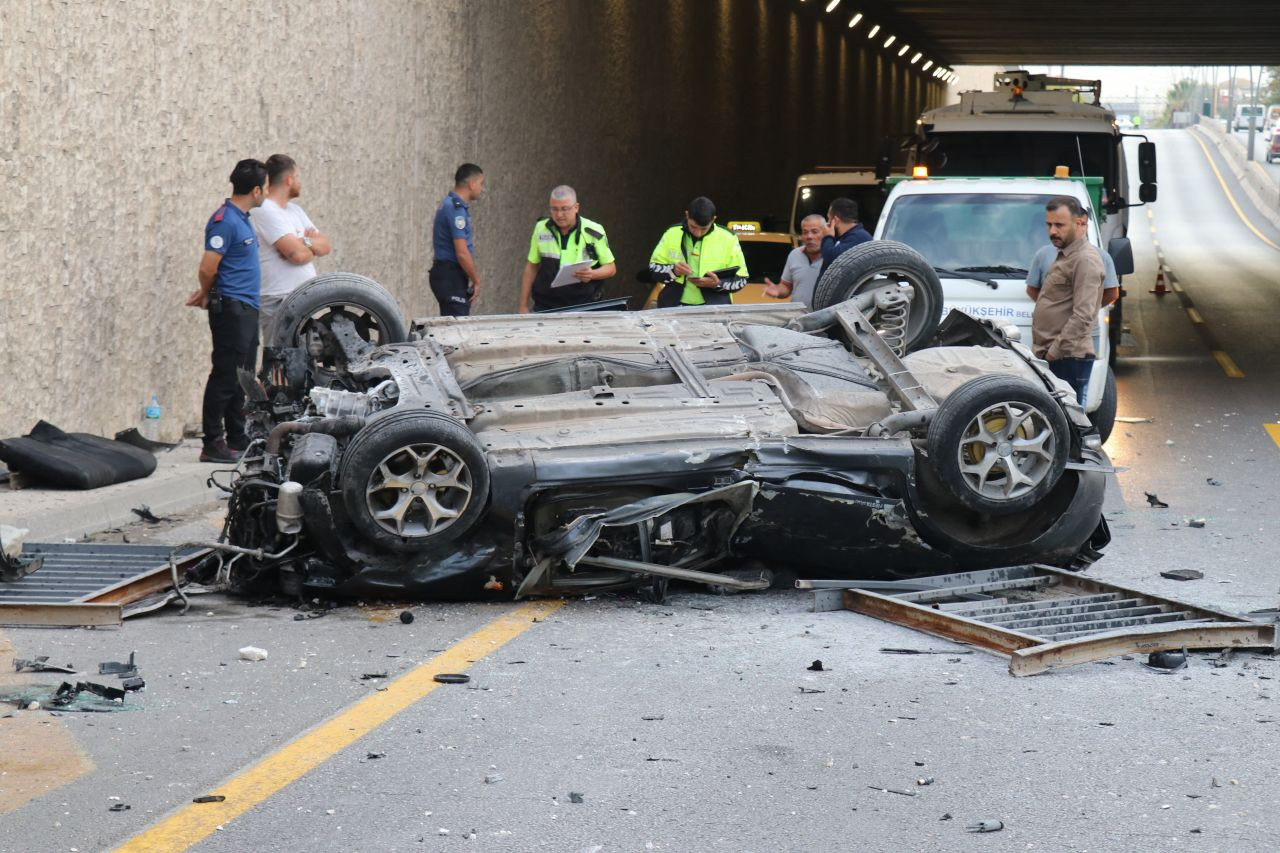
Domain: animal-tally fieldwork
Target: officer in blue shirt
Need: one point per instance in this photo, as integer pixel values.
(844, 231)
(230, 282)
(453, 276)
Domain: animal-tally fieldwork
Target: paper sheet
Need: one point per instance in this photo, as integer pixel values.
(566, 273)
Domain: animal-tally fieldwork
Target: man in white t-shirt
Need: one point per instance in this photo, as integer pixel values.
(288, 241)
(803, 266)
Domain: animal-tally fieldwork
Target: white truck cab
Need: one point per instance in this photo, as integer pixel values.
(980, 235)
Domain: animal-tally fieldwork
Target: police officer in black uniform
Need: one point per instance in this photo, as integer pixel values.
(453, 276)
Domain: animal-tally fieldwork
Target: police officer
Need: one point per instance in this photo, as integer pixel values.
(565, 238)
(453, 276)
(689, 255)
(230, 283)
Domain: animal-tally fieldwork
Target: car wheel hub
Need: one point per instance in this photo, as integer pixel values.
(418, 490)
(1007, 450)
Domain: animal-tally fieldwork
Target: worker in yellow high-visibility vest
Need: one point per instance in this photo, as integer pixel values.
(689, 256)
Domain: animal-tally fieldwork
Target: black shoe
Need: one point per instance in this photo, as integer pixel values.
(219, 452)
(238, 445)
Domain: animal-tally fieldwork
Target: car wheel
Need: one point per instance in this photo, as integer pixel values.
(1104, 417)
(998, 444)
(413, 479)
(874, 264)
(314, 305)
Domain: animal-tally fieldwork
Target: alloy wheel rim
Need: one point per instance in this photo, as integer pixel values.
(1007, 450)
(418, 490)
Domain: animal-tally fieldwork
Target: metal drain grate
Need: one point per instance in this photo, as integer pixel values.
(1043, 617)
(86, 584)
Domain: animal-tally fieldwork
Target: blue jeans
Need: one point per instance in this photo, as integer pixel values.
(1075, 371)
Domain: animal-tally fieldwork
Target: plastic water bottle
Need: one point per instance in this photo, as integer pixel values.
(151, 419)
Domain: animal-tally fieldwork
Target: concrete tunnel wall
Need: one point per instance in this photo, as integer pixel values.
(119, 122)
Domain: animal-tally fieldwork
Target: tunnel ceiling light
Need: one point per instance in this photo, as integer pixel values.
(890, 40)
(904, 49)
(927, 65)
(832, 5)
(916, 58)
(853, 22)
(873, 32)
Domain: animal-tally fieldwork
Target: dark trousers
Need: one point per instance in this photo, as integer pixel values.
(1076, 372)
(234, 326)
(451, 288)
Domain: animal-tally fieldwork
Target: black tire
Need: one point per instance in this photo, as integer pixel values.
(393, 446)
(960, 439)
(873, 264)
(371, 307)
(1104, 417)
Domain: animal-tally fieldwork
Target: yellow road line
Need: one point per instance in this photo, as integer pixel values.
(193, 823)
(1194, 315)
(1228, 365)
(1177, 288)
(1273, 430)
(1230, 197)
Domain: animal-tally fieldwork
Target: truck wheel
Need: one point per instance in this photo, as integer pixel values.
(413, 479)
(998, 444)
(879, 262)
(1104, 417)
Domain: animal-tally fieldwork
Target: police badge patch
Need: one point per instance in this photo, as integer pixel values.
(215, 241)
(460, 223)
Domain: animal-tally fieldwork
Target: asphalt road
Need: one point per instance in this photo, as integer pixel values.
(695, 725)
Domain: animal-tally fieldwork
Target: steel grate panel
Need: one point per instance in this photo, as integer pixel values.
(73, 571)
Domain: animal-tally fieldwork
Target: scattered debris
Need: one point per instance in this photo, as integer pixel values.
(946, 816)
(1155, 501)
(575, 797)
(144, 512)
(924, 780)
(652, 717)
(66, 693)
(119, 807)
(374, 756)
(253, 653)
(406, 616)
(923, 652)
(811, 690)
(1167, 660)
(1224, 659)
(493, 779)
(816, 666)
(1212, 482)
(370, 676)
(1044, 617)
(892, 791)
(1182, 575)
(40, 664)
(986, 826)
(133, 684)
(1133, 420)
(451, 677)
(209, 798)
(125, 670)
(1195, 522)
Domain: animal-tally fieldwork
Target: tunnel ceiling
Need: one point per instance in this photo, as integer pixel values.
(1086, 32)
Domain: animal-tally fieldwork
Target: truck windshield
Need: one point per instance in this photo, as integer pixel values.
(816, 198)
(1005, 153)
(970, 231)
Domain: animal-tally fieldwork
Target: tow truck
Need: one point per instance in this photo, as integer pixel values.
(1029, 125)
(980, 233)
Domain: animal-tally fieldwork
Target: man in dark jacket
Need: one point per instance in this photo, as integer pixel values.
(844, 231)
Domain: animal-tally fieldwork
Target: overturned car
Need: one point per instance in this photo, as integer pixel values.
(494, 456)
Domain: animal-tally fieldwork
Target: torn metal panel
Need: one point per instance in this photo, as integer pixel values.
(1046, 618)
